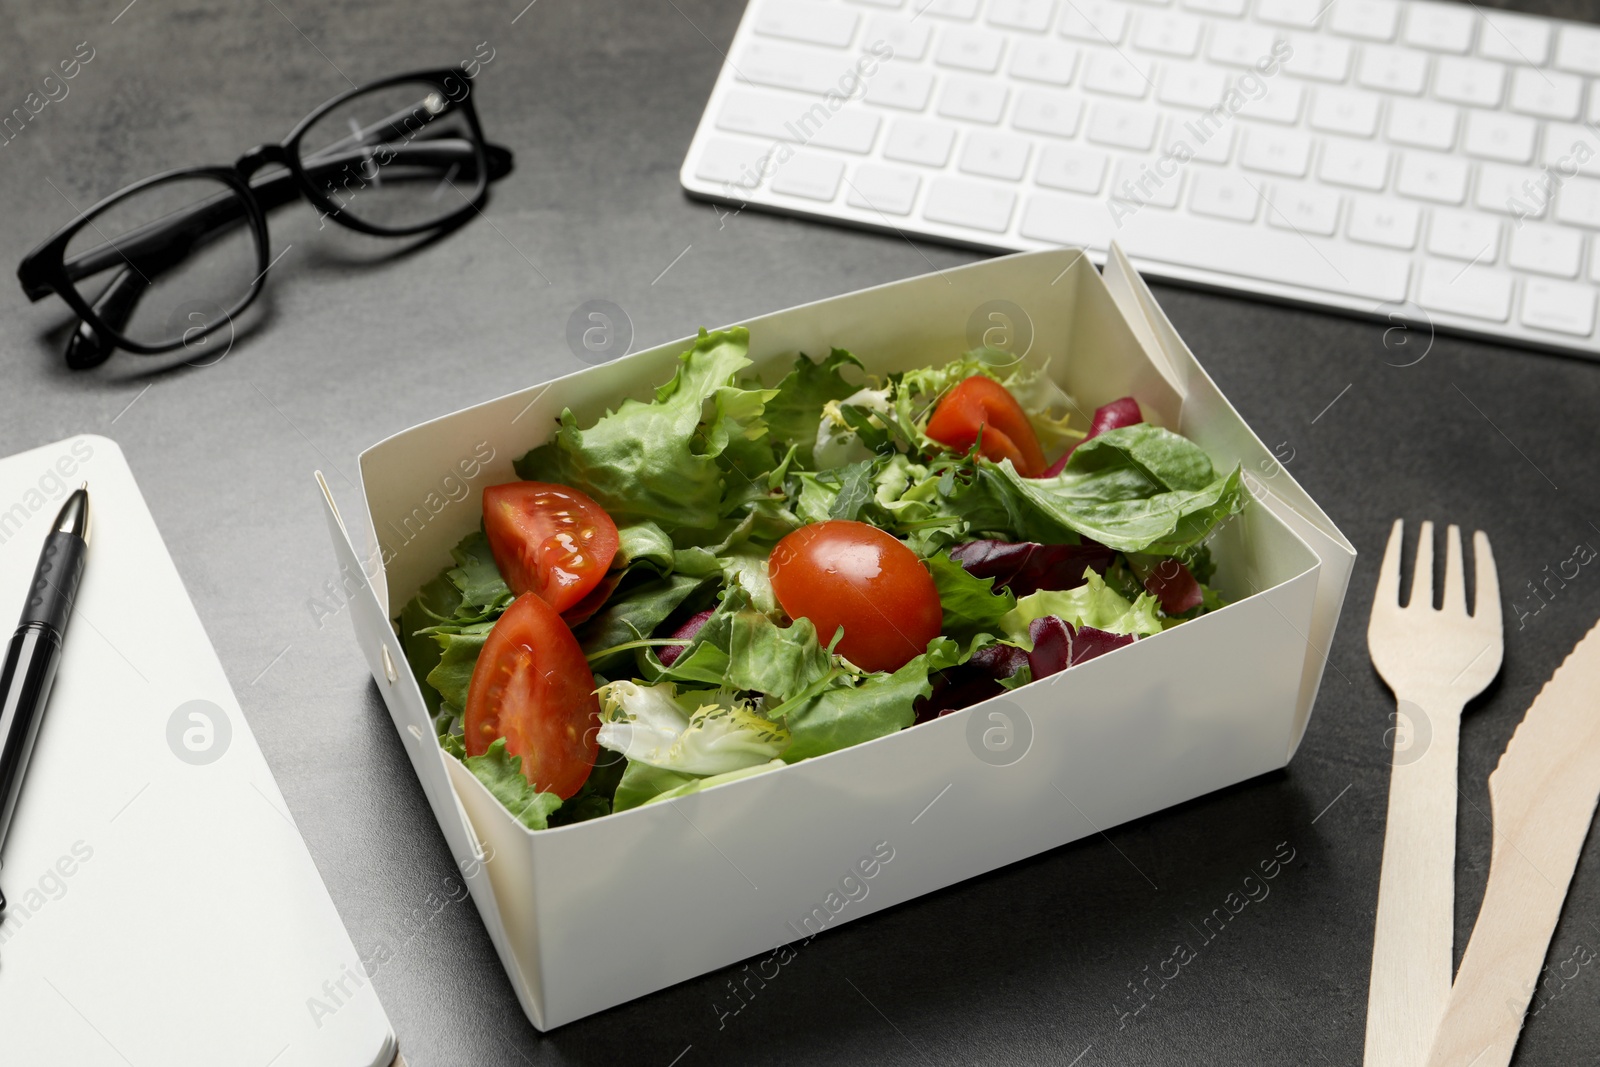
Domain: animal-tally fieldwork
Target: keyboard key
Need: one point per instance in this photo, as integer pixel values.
(1430, 176)
(970, 49)
(1109, 71)
(1231, 8)
(786, 118)
(1322, 58)
(1138, 181)
(963, 203)
(1508, 138)
(1169, 34)
(880, 3)
(1578, 49)
(1348, 111)
(1100, 21)
(972, 99)
(813, 177)
(1571, 149)
(805, 70)
(1224, 195)
(1439, 27)
(995, 155)
(1469, 81)
(1043, 61)
(1191, 85)
(1276, 152)
(1546, 250)
(915, 141)
(1301, 14)
(1073, 169)
(1464, 235)
(1034, 16)
(1240, 46)
(1198, 138)
(1043, 111)
(885, 190)
(908, 39)
(1123, 127)
(900, 86)
(1478, 292)
(1546, 93)
(1394, 70)
(1558, 306)
(1505, 190)
(1369, 20)
(803, 20)
(741, 163)
(1276, 256)
(1422, 123)
(1353, 163)
(1303, 208)
(1578, 202)
(1514, 38)
(1280, 103)
(1385, 222)
(1068, 220)
(966, 10)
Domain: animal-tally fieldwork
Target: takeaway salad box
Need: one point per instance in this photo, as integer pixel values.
(588, 913)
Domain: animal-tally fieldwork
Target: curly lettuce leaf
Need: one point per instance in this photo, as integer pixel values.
(700, 732)
(501, 774)
(655, 461)
(793, 414)
(847, 713)
(1093, 603)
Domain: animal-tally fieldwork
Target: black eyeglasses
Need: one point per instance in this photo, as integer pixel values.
(167, 260)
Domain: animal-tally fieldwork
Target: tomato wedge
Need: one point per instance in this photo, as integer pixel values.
(984, 404)
(533, 687)
(844, 573)
(548, 539)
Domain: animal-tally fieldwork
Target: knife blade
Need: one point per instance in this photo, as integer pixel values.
(1542, 797)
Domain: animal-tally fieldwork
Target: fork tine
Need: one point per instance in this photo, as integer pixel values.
(1455, 579)
(1388, 592)
(1486, 599)
(1422, 569)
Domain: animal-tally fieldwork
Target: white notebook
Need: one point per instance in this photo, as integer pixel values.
(164, 911)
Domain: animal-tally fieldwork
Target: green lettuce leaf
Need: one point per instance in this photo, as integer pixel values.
(1137, 489)
(643, 544)
(655, 461)
(695, 785)
(642, 783)
(459, 650)
(501, 774)
(793, 414)
(483, 591)
(1092, 604)
(970, 604)
(698, 731)
(845, 714)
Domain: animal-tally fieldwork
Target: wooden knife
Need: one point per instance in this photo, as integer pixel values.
(1543, 795)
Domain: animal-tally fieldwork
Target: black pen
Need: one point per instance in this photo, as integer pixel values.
(35, 649)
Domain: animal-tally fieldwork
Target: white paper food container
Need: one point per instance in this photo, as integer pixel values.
(591, 915)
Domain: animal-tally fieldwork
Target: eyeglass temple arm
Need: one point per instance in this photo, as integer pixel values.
(182, 230)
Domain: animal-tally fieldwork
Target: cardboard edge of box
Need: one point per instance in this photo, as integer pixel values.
(479, 831)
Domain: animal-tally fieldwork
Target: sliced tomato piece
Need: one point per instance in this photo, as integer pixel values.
(844, 573)
(533, 687)
(548, 539)
(983, 404)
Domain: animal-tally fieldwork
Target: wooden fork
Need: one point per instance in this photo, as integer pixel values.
(1435, 660)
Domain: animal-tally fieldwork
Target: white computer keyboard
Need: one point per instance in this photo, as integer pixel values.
(1430, 161)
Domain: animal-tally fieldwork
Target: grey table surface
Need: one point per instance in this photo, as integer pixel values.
(1034, 963)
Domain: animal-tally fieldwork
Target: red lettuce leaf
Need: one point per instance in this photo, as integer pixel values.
(1026, 567)
(1112, 416)
(1170, 582)
(668, 654)
(1058, 645)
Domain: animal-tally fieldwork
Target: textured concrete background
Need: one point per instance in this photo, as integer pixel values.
(353, 341)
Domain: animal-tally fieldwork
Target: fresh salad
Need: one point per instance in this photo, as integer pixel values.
(734, 576)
